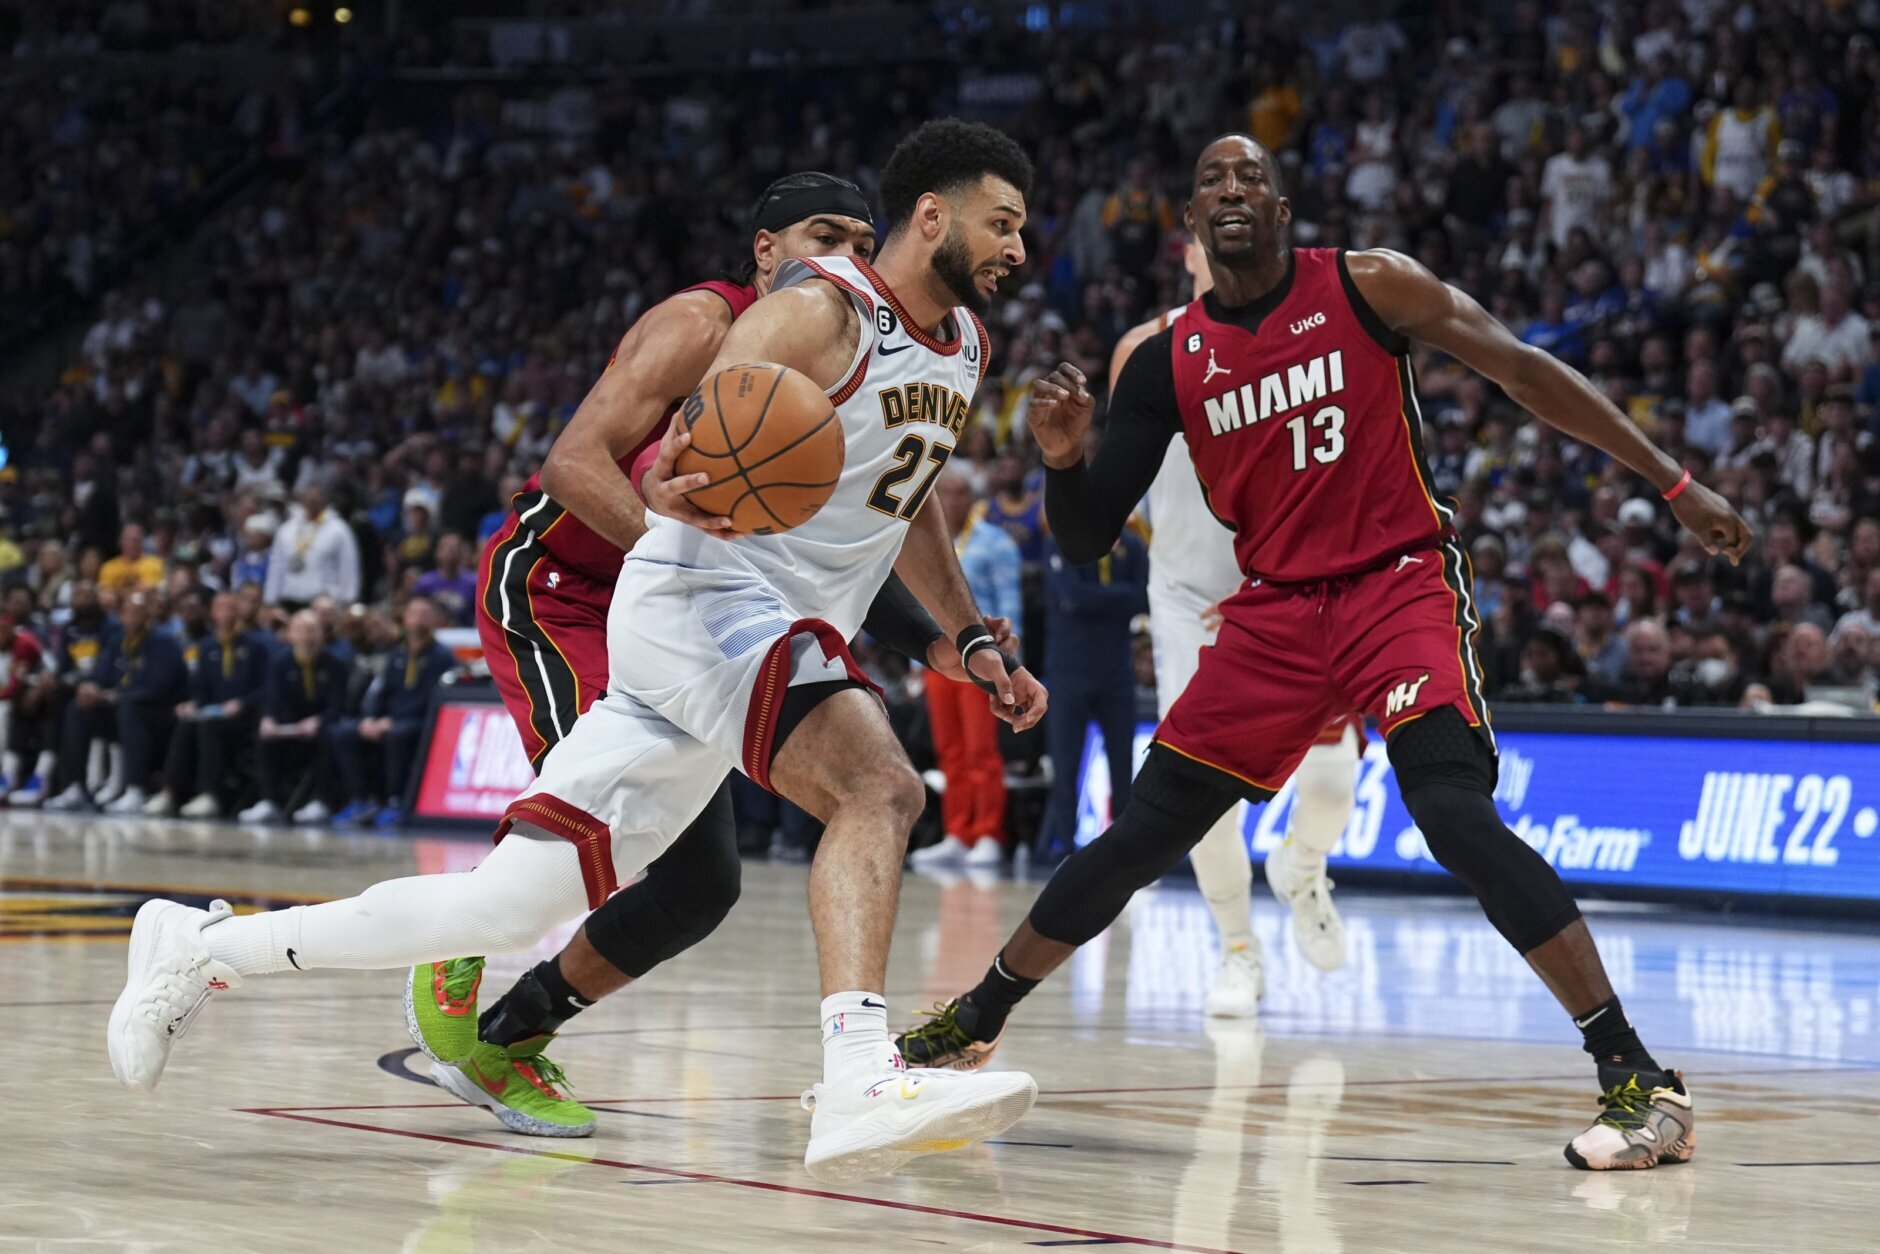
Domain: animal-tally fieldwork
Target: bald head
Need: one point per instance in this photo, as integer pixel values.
(1238, 208)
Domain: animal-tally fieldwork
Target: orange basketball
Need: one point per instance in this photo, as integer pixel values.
(771, 442)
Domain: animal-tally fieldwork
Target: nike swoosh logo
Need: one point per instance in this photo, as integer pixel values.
(291, 962)
(490, 1086)
(1591, 1019)
(885, 351)
(873, 1005)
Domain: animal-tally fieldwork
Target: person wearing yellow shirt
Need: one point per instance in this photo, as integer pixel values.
(132, 569)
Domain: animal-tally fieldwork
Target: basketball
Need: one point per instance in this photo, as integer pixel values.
(771, 443)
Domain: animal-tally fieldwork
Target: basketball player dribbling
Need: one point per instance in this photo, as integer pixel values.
(544, 585)
(1192, 569)
(733, 651)
(1292, 384)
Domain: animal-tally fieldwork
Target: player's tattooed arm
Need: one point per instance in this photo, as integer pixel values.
(1412, 301)
(659, 360)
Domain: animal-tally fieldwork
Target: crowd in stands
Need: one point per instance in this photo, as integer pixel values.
(236, 523)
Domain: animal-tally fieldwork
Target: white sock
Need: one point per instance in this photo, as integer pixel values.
(855, 1036)
(256, 944)
(527, 885)
(1225, 876)
(44, 768)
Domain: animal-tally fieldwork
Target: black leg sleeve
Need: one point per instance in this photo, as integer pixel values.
(1169, 811)
(686, 894)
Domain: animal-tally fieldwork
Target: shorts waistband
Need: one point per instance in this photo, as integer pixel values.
(1424, 544)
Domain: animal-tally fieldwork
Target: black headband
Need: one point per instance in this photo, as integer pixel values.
(787, 208)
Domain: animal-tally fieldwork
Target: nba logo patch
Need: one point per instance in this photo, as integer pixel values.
(463, 756)
(554, 579)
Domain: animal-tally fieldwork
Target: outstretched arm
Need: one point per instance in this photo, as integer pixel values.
(660, 360)
(1416, 303)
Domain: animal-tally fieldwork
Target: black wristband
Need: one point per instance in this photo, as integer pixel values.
(976, 639)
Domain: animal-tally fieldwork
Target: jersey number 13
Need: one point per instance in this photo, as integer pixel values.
(1329, 426)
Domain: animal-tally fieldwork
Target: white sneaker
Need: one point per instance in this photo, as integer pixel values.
(869, 1125)
(1240, 983)
(1316, 926)
(111, 791)
(158, 807)
(314, 811)
(73, 798)
(203, 806)
(31, 795)
(986, 852)
(951, 851)
(262, 811)
(171, 976)
(130, 801)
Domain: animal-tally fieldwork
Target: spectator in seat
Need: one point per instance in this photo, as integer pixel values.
(132, 568)
(1600, 647)
(89, 637)
(130, 700)
(1092, 677)
(314, 552)
(452, 586)
(219, 718)
(304, 697)
(22, 662)
(1646, 679)
(965, 732)
(1551, 670)
(1791, 595)
(391, 720)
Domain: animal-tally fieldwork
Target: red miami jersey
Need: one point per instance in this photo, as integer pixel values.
(1304, 427)
(572, 540)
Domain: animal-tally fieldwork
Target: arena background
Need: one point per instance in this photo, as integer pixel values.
(382, 250)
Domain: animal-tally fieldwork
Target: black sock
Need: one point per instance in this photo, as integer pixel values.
(1609, 1036)
(983, 1011)
(541, 1001)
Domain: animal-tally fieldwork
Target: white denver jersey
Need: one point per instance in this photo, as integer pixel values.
(903, 403)
(1191, 552)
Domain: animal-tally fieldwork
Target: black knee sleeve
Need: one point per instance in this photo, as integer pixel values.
(1169, 811)
(686, 894)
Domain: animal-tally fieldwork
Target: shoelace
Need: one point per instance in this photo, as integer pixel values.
(460, 977)
(550, 1073)
(945, 1029)
(1627, 1106)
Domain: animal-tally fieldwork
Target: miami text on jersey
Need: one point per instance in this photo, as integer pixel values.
(1278, 393)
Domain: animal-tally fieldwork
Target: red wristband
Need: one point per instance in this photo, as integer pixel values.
(1677, 489)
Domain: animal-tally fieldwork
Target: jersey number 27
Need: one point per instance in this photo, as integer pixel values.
(908, 456)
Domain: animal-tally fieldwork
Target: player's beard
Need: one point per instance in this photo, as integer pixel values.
(1242, 256)
(954, 265)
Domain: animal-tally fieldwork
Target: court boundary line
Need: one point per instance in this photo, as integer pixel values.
(676, 1174)
(1045, 1097)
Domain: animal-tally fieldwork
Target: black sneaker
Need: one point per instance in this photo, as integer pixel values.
(1645, 1119)
(948, 1040)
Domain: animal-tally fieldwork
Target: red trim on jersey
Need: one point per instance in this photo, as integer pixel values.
(590, 837)
(836, 279)
(773, 681)
(855, 381)
(900, 311)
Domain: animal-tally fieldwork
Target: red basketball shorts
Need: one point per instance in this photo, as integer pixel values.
(544, 630)
(1394, 644)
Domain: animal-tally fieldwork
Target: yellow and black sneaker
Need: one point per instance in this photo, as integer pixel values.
(1645, 1119)
(950, 1039)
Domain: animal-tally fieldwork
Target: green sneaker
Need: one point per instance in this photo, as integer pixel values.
(519, 1086)
(441, 1007)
